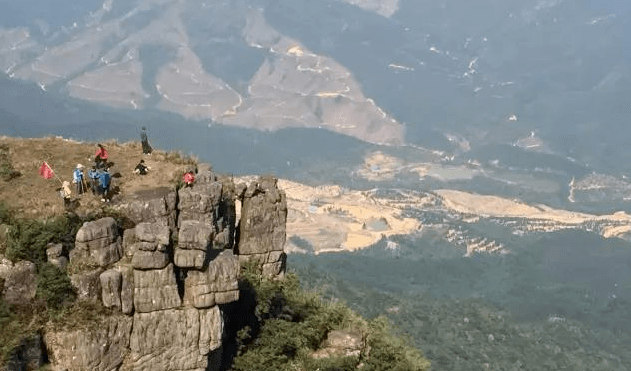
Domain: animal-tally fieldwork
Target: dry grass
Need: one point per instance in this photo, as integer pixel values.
(33, 196)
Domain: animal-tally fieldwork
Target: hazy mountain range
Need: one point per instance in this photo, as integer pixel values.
(527, 101)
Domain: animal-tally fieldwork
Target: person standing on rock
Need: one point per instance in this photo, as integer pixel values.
(77, 179)
(146, 147)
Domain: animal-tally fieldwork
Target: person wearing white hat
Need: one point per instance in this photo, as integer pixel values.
(77, 179)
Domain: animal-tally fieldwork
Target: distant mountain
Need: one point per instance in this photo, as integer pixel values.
(384, 71)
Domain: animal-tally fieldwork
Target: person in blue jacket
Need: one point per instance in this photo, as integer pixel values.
(77, 179)
(94, 180)
(104, 184)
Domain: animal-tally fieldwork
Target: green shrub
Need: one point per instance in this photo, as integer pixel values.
(27, 239)
(54, 287)
(6, 216)
(293, 323)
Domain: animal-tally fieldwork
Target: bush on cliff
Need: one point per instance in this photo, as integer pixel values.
(54, 287)
(27, 239)
(292, 324)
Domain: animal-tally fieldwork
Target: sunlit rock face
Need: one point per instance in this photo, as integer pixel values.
(165, 305)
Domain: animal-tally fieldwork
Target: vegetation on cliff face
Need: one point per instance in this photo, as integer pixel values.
(289, 325)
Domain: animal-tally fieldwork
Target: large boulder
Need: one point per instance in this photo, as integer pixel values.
(341, 343)
(175, 339)
(100, 348)
(153, 236)
(54, 254)
(200, 202)
(20, 282)
(262, 230)
(195, 240)
(97, 244)
(155, 290)
(217, 284)
(149, 249)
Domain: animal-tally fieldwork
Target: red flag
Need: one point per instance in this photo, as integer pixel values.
(46, 171)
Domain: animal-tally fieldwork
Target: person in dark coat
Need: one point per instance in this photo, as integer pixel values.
(146, 147)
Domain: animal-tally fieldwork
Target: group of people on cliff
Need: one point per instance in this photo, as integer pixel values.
(98, 178)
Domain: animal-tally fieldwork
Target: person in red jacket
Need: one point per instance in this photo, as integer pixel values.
(101, 153)
(189, 178)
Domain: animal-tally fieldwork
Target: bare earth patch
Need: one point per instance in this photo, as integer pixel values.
(332, 218)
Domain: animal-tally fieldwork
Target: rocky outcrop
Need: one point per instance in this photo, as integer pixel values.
(111, 284)
(157, 205)
(54, 254)
(101, 348)
(87, 283)
(170, 289)
(194, 244)
(217, 284)
(151, 250)
(175, 339)
(341, 343)
(97, 244)
(20, 282)
(263, 225)
(155, 289)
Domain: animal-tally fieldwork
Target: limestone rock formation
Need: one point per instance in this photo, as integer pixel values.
(341, 343)
(155, 290)
(216, 285)
(127, 289)
(200, 202)
(97, 243)
(263, 225)
(111, 283)
(157, 205)
(54, 253)
(194, 242)
(87, 283)
(166, 292)
(175, 339)
(148, 244)
(20, 282)
(102, 348)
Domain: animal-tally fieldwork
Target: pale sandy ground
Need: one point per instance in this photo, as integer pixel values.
(332, 218)
(615, 225)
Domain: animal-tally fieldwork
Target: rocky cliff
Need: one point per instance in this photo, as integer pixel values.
(165, 274)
